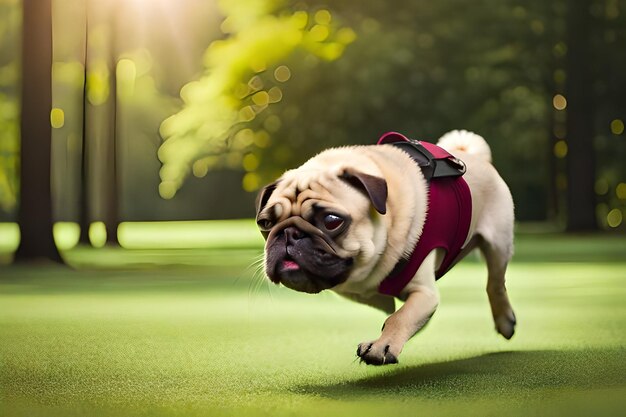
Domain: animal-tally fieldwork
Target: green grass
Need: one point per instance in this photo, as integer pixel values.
(232, 234)
(190, 332)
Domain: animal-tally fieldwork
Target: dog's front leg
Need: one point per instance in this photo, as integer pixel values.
(421, 302)
(400, 327)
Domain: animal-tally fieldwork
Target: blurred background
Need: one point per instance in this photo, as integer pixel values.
(181, 110)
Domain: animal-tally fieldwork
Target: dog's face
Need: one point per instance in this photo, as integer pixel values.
(319, 225)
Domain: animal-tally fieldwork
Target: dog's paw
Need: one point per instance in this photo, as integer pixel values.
(505, 324)
(377, 353)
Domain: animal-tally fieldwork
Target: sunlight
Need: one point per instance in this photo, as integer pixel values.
(159, 23)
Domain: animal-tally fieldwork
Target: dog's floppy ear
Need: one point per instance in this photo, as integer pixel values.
(374, 187)
(264, 195)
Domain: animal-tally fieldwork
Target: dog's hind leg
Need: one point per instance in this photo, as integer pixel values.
(498, 257)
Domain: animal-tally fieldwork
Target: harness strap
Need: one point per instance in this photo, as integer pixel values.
(434, 161)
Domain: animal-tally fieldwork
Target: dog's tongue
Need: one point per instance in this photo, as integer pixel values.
(290, 265)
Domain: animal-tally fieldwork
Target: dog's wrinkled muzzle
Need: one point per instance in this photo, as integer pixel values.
(326, 243)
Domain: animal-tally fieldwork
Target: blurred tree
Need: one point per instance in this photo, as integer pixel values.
(84, 213)
(242, 72)
(84, 220)
(607, 61)
(9, 112)
(8, 152)
(111, 217)
(581, 198)
(35, 207)
(588, 129)
(101, 124)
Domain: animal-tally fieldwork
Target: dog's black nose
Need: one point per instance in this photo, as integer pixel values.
(293, 234)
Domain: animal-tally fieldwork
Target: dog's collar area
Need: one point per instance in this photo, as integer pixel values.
(449, 211)
(435, 162)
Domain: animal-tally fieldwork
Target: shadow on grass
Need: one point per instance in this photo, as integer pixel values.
(493, 374)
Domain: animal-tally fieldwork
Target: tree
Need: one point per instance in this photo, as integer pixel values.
(84, 220)
(111, 184)
(35, 207)
(10, 20)
(99, 165)
(581, 196)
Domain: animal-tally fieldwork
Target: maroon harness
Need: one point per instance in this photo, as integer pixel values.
(448, 215)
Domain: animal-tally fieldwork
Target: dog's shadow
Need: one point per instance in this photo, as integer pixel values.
(498, 373)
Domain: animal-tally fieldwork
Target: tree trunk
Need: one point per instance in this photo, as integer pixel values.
(35, 208)
(111, 191)
(83, 200)
(580, 158)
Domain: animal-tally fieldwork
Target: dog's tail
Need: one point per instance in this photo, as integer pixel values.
(469, 142)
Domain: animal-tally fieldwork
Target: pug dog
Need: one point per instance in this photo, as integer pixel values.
(378, 222)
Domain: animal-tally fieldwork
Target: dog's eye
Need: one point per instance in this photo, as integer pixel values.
(264, 224)
(332, 222)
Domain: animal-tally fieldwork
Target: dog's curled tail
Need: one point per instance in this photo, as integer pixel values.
(465, 141)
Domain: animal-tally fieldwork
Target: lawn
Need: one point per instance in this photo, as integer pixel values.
(150, 331)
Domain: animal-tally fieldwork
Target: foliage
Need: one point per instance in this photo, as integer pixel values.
(422, 69)
(8, 152)
(425, 69)
(240, 82)
(9, 111)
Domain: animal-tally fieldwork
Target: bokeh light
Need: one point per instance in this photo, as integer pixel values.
(282, 73)
(617, 127)
(261, 139)
(559, 76)
(560, 149)
(559, 102)
(614, 218)
(319, 33)
(275, 95)
(251, 182)
(57, 118)
(246, 114)
(323, 17)
(250, 162)
(167, 190)
(243, 139)
(261, 98)
(126, 73)
(98, 83)
(300, 19)
(346, 36)
(97, 234)
(255, 83)
(200, 168)
(601, 186)
(272, 123)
